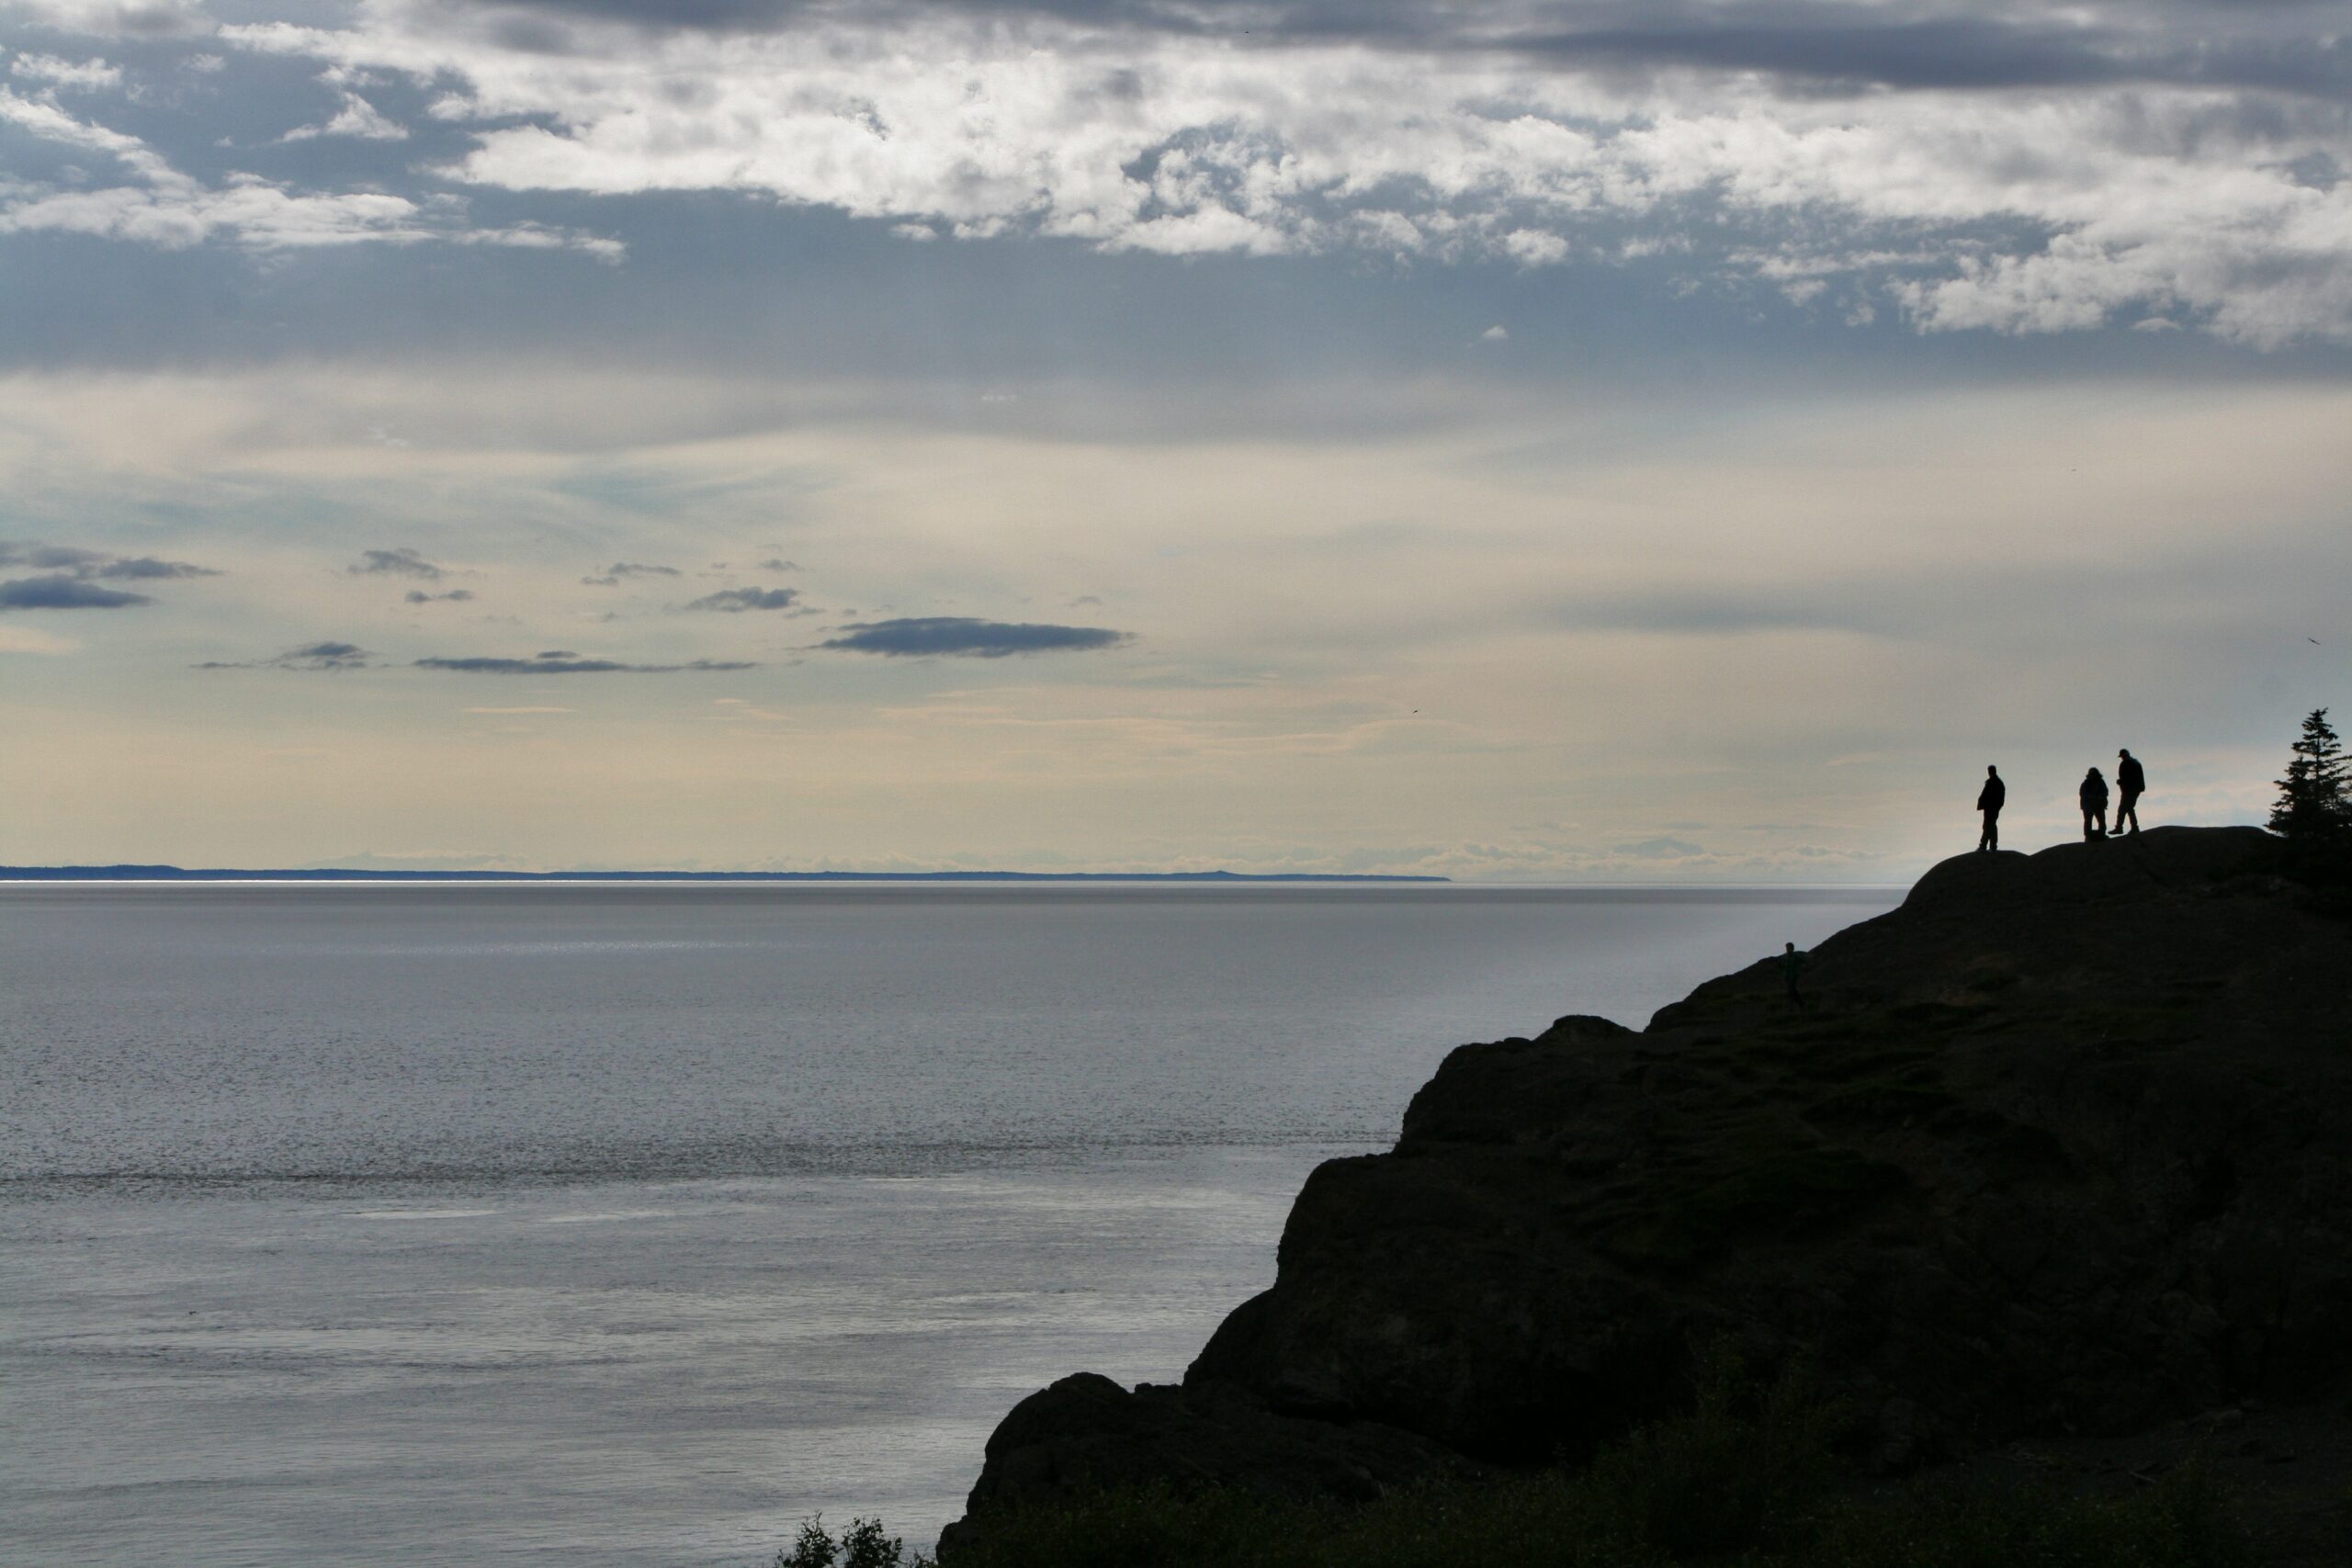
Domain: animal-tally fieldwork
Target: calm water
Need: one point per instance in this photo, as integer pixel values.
(632, 1224)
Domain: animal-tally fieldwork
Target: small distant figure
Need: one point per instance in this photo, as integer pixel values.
(1791, 961)
(2130, 783)
(2093, 794)
(1989, 800)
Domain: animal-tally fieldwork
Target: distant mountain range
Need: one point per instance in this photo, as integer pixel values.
(179, 874)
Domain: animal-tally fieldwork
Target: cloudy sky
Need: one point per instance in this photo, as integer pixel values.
(1682, 439)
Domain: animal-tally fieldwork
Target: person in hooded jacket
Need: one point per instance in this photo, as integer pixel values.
(2093, 794)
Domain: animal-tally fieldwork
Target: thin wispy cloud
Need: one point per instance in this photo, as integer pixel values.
(734, 601)
(400, 562)
(622, 570)
(355, 118)
(964, 637)
(452, 596)
(148, 568)
(59, 590)
(73, 576)
(563, 661)
(314, 657)
(396, 562)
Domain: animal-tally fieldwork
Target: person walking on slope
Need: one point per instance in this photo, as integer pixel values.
(2128, 782)
(1791, 962)
(1989, 801)
(2093, 794)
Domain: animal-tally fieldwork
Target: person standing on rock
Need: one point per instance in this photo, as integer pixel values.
(2128, 782)
(1989, 800)
(1791, 961)
(2093, 794)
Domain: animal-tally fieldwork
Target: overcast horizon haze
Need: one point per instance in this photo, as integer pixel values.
(1598, 442)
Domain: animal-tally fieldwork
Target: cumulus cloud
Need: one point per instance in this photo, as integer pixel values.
(162, 207)
(2050, 168)
(1889, 43)
(311, 656)
(563, 661)
(400, 562)
(964, 637)
(736, 600)
(84, 75)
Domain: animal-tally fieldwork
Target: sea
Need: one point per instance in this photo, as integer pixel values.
(633, 1224)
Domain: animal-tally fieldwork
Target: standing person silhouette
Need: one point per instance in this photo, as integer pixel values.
(1989, 800)
(2128, 782)
(1791, 962)
(2093, 794)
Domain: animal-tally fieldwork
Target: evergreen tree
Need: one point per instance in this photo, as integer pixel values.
(2315, 797)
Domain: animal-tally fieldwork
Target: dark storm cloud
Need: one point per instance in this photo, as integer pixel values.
(1934, 44)
(309, 655)
(963, 636)
(563, 661)
(401, 563)
(62, 590)
(455, 595)
(621, 569)
(737, 600)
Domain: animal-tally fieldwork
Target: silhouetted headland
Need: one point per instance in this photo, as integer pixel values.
(2057, 1150)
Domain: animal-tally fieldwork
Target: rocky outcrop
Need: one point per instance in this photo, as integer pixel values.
(1086, 1433)
(2062, 1145)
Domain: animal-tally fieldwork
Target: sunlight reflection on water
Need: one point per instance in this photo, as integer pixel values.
(324, 1240)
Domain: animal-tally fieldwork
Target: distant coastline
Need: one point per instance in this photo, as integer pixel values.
(179, 874)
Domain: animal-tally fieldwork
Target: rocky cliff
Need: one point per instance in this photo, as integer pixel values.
(2062, 1145)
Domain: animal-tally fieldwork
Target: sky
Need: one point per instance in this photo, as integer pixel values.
(1674, 441)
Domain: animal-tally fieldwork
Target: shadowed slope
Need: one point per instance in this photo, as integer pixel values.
(2056, 1146)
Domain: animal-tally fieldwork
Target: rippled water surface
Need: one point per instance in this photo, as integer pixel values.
(603, 1226)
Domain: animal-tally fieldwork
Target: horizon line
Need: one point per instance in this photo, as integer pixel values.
(132, 872)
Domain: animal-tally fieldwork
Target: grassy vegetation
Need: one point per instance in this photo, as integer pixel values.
(863, 1545)
(1746, 1480)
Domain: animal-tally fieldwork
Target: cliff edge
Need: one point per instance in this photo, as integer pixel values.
(2061, 1146)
